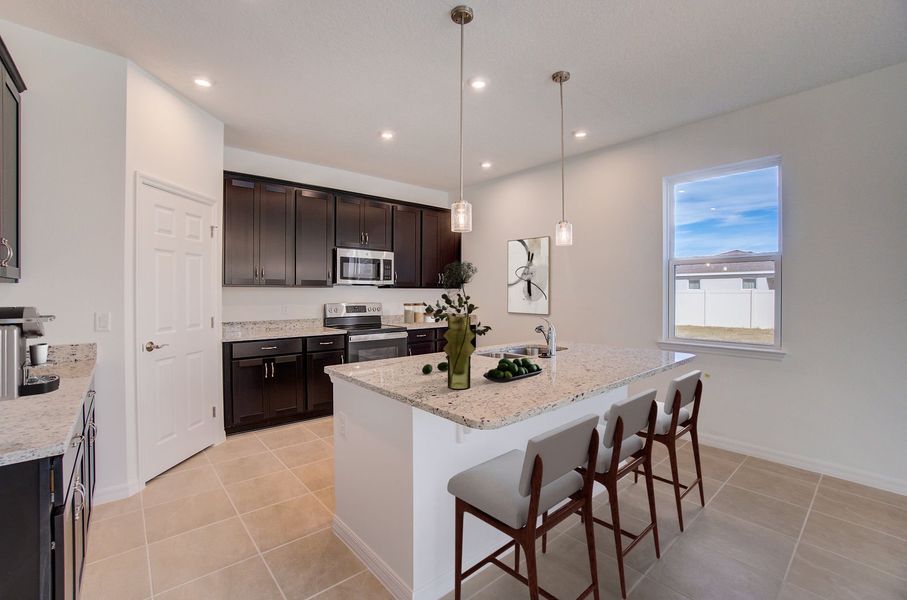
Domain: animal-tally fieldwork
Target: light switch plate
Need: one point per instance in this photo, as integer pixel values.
(102, 321)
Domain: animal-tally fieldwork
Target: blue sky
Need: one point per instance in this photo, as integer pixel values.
(732, 212)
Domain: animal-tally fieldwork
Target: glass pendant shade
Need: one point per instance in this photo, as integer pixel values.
(461, 217)
(563, 234)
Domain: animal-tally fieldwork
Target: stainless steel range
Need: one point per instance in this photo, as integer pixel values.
(367, 338)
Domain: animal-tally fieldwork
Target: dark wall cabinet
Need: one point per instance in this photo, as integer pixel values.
(407, 246)
(364, 223)
(11, 86)
(45, 512)
(440, 246)
(268, 382)
(314, 237)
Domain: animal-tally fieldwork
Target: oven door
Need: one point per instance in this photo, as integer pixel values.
(376, 346)
(363, 267)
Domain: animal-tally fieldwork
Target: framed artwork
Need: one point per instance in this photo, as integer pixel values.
(528, 275)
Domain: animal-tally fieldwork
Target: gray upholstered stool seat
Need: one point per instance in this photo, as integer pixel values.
(630, 446)
(664, 418)
(494, 487)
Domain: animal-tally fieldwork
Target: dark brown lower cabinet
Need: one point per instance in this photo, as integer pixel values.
(421, 348)
(318, 383)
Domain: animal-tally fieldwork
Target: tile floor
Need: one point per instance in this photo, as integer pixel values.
(250, 519)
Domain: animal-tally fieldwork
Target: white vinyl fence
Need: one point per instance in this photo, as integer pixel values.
(726, 308)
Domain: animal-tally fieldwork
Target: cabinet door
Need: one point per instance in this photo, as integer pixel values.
(377, 225)
(421, 348)
(9, 177)
(449, 243)
(276, 232)
(319, 389)
(240, 253)
(248, 390)
(314, 237)
(283, 377)
(431, 257)
(349, 222)
(407, 246)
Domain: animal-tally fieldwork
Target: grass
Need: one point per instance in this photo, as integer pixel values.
(743, 335)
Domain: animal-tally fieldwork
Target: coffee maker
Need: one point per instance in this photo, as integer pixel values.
(18, 324)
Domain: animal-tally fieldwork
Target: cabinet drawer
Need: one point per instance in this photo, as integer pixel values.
(267, 348)
(422, 335)
(331, 342)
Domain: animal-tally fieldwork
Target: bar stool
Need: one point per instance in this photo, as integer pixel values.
(675, 418)
(624, 452)
(510, 491)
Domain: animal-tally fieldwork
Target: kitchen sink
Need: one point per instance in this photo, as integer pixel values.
(533, 350)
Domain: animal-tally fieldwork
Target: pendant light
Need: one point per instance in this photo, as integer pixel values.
(461, 210)
(563, 233)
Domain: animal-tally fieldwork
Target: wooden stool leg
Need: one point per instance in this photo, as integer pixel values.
(531, 570)
(458, 570)
(650, 489)
(672, 455)
(516, 558)
(694, 438)
(590, 543)
(544, 535)
(618, 543)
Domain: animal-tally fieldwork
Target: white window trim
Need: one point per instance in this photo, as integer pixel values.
(669, 341)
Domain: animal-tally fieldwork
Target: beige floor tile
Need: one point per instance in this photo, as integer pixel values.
(247, 580)
(780, 469)
(321, 427)
(480, 580)
(634, 501)
(247, 467)
(864, 491)
(862, 511)
(303, 454)
(116, 508)
(776, 515)
(884, 552)
(791, 592)
(166, 488)
(288, 435)
(327, 497)
(753, 545)
(193, 462)
(720, 453)
(793, 490)
(649, 589)
(712, 466)
(281, 523)
(115, 535)
(363, 586)
(329, 440)
(235, 447)
(312, 564)
(177, 516)
(316, 476)
(124, 577)
(184, 557)
(640, 558)
(255, 493)
(833, 577)
(706, 574)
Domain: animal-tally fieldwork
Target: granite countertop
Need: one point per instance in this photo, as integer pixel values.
(240, 331)
(581, 371)
(427, 325)
(33, 427)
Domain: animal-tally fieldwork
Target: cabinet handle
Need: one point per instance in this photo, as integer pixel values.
(262, 274)
(80, 488)
(272, 370)
(275, 188)
(421, 335)
(325, 343)
(92, 433)
(409, 351)
(4, 262)
(366, 238)
(91, 395)
(76, 440)
(342, 361)
(269, 347)
(265, 365)
(361, 239)
(242, 184)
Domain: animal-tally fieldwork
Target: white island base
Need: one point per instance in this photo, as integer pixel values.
(392, 464)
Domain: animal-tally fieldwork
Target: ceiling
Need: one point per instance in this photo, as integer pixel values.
(317, 80)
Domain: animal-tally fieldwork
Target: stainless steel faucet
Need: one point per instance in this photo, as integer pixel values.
(550, 336)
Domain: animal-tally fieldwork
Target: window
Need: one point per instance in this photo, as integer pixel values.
(723, 257)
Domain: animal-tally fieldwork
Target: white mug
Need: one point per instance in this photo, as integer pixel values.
(38, 354)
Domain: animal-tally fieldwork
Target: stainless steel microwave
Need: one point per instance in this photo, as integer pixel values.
(363, 267)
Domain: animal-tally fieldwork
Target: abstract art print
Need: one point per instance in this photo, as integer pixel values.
(528, 276)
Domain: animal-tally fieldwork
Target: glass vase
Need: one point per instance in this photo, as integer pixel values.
(459, 349)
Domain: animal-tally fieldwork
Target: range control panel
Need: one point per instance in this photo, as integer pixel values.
(342, 309)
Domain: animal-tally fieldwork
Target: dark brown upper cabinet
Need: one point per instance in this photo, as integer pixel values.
(314, 237)
(364, 223)
(440, 246)
(259, 233)
(11, 86)
(407, 246)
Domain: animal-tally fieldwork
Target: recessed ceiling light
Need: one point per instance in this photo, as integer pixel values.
(486, 165)
(387, 135)
(477, 84)
(580, 134)
(712, 208)
(202, 82)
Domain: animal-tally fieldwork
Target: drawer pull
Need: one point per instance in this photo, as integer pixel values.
(325, 343)
(421, 335)
(269, 347)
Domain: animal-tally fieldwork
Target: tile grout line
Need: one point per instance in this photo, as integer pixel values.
(856, 562)
(342, 581)
(147, 546)
(800, 537)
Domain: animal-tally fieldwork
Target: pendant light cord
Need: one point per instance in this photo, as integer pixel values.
(461, 109)
(563, 201)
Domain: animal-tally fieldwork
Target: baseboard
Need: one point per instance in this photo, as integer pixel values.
(860, 476)
(396, 586)
(117, 492)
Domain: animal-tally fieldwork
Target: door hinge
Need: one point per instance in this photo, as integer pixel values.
(213, 411)
(213, 230)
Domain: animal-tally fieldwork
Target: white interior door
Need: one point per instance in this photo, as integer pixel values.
(178, 380)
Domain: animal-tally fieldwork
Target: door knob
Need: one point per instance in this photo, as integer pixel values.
(151, 346)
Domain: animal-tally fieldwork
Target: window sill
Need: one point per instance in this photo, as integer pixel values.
(698, 347)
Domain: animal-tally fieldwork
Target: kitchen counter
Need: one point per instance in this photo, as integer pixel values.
(426, 325)
(581, 371)
(33, 427)
(243, 331)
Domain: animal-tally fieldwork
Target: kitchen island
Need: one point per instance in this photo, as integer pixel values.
(400, 435)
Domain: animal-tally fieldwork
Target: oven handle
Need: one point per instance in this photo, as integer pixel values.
(377, 336)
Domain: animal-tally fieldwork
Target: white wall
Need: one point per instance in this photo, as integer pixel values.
(837, 401)
(73, 161)
(248, 304)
